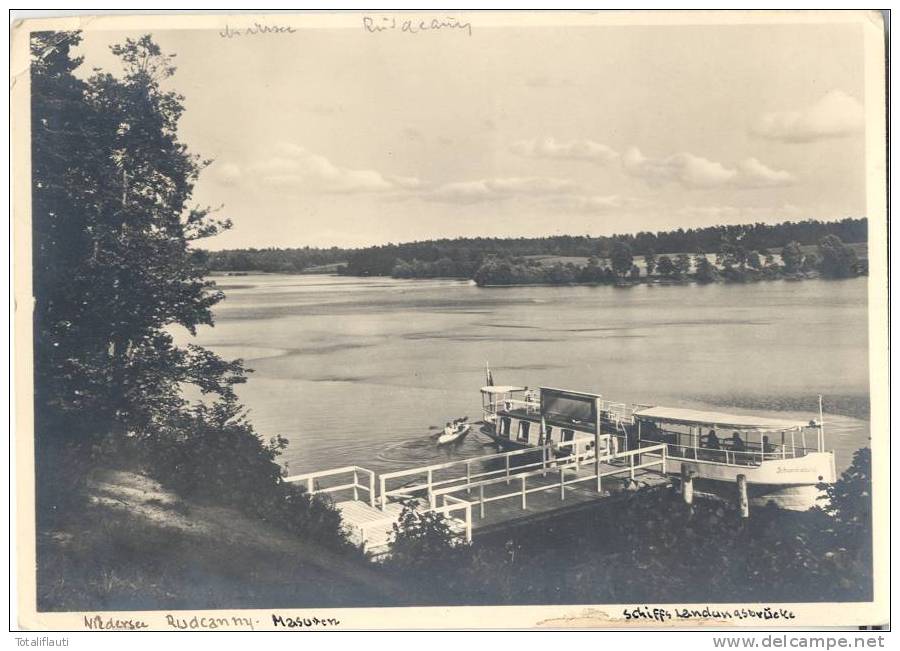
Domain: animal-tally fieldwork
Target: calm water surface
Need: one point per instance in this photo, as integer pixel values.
(364, 371)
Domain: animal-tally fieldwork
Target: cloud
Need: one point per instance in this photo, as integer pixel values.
(497, 189)
(694, 171)
(719, 213)
(588, 203)
(586, 150)
(227, 173)
(835, 115)
(294, 167)
(754, 174)
(689, 170)
(685, 168)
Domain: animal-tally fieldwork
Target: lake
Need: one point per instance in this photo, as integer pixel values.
(365, 370)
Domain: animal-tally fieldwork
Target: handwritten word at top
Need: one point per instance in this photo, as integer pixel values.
(256, 29)
(373, 25)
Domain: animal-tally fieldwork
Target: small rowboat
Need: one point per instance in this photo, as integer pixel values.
(454, 432)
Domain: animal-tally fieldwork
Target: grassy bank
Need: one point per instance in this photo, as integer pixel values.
(135, 546)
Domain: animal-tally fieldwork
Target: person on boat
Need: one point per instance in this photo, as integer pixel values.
(767, 447)
(737, 443)
(712, 441)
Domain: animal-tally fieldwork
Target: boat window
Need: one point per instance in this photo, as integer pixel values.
(523, 430)
(568, 435)
(504, 426)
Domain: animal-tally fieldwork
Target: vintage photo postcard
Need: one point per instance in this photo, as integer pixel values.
(451, 320)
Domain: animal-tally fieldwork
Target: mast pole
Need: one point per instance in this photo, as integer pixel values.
(821, 426)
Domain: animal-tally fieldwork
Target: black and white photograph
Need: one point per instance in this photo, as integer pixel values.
(327, 319)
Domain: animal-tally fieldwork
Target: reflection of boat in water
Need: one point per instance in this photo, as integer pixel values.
(774, 455)
(455, 431)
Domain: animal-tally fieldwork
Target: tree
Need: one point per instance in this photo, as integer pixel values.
(621, 258)
(838, 259)
(650, 261)
(792, 257)
(635, 272)
(423, 542)
(683, 264)
(810, 262)
(665, 266)
(753, 260)
(112, 265)
(705, 272)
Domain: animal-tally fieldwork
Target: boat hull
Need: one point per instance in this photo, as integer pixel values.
(787, 483)
(446, 439)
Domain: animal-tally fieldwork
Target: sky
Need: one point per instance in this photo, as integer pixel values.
(346, 137)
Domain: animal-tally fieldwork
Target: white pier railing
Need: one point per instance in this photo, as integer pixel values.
(310, 479)
(425, 478)
(634, 463)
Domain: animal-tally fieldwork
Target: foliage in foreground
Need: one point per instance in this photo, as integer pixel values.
(654, 548)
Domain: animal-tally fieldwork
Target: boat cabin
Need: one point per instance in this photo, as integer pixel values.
(564, 420)
(727, 438)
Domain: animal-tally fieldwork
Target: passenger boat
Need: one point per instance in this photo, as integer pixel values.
(784, 461)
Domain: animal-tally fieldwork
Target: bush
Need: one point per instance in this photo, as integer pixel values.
(212, 454)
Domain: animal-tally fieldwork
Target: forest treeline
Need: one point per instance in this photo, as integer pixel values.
(464, 257)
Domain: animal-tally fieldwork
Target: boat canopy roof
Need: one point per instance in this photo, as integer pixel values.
(717, 419)
(501, 389)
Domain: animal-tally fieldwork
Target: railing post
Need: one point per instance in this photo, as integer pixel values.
(665, 456)
(631, 465)
(544, 459)
(562, 483)
(372, 489)
(430, 477)
(506, 458)
(468, 477)
(309, 485)
(355, 485)
(523, 492)
(481, 500)
(382, 493)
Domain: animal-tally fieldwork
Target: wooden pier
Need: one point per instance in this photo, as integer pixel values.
(485, 493)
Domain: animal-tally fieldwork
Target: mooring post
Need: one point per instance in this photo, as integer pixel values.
(687, 484)
(742, 496)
